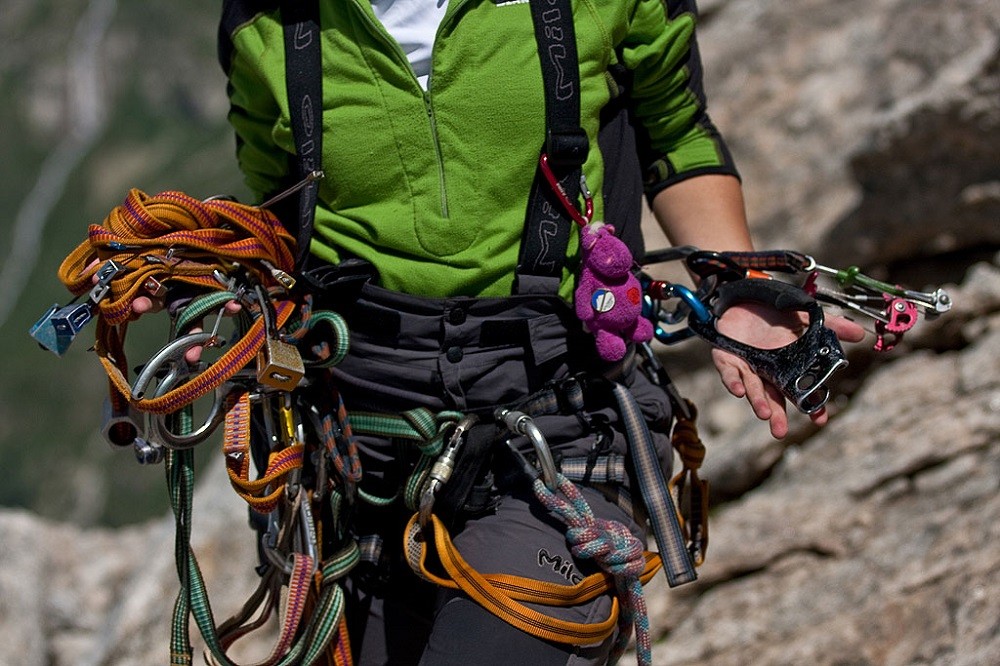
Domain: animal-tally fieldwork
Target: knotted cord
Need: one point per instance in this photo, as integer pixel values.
(616, 550)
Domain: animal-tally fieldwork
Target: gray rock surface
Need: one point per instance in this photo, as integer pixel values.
(868, 133)
(874, 542)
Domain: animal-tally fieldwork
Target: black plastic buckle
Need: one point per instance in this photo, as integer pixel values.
(339, 281)
(567, 148)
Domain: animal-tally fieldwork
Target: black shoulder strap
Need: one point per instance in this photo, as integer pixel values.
(547, 224)
(304, 85)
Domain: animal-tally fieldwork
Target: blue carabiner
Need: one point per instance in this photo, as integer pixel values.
(698, 311)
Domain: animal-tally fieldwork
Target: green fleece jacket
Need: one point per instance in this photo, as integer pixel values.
(431, 186)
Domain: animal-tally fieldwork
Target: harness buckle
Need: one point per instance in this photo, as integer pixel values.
(567, 148)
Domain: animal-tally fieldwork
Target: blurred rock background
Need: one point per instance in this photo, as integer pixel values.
(868, 133)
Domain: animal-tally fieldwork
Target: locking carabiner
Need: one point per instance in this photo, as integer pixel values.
(690, 306)
(443, 467)
(521, 424)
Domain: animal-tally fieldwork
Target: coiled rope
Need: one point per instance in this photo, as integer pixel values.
(173, 237)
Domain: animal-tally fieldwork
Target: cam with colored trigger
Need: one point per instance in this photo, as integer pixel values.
(893, 308)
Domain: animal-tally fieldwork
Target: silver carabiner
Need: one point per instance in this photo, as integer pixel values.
(522, 424)
(306, 539)
(216, 415)
(170, 355)
(170, 360)
(443, 467)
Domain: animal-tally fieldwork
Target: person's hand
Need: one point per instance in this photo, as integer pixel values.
(144, 304)
(767, 328)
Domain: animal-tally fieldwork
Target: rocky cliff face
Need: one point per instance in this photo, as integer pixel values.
(868, 133)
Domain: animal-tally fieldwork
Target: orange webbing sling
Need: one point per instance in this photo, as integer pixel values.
(505, 595)
(172, 237)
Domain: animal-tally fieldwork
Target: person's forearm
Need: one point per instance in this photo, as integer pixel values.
(704, 211)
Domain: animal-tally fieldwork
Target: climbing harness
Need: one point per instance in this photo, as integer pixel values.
(290, 446)
(302, 471)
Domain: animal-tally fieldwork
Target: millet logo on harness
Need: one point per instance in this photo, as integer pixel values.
(562, 567)
(303, 37)
(557, 52)
(547, 230)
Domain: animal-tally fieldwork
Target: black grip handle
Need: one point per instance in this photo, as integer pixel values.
(774, 293)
